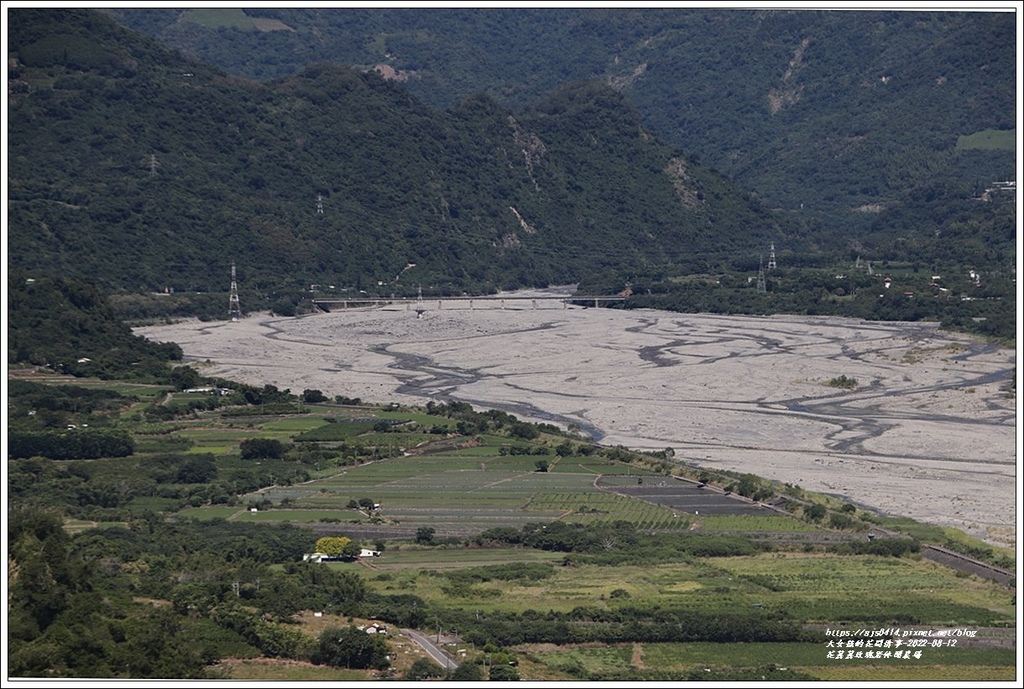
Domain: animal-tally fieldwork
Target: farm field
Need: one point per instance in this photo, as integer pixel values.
(945, 664)
(703, 551)
(847, 591)
(815, 587)
(461, 494)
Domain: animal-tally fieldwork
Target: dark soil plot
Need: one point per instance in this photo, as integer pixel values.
(687, 498)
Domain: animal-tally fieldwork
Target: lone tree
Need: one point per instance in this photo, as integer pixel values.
(815, 512)
(313, 396)
(337, 546)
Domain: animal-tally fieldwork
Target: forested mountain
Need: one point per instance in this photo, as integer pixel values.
(67, 325)
(147, 171)
(836, 115)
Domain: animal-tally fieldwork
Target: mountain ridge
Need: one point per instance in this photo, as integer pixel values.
(145, 170)
(830, 113)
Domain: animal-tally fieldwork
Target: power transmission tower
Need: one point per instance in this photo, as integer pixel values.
(153, 164)
(771, 257)
(234, 309)
(320, 204)
(761, 286)
(420, 308)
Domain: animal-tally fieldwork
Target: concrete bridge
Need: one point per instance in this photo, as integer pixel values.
(421, 304)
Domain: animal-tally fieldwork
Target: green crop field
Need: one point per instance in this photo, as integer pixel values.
(831, 587)
(209, 513)
(618, 474)
(469, 492)
(396, 440)
(341, 430)
(298, 516)
(294, 424)
(963, 664)
(918, 671)
(219, 441)
(813, 587)
(755, 522)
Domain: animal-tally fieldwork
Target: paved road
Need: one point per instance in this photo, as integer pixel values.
(437, 654)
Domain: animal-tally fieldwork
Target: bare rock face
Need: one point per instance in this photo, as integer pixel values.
(530, 145)
(688, 195)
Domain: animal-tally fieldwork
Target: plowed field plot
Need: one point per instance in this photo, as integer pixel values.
(684, 497)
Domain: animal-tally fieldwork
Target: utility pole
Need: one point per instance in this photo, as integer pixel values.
(234, 309)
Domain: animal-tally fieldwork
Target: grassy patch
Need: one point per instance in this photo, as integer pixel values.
(301, 516)
(210, 513)
(752, 522)
(957, 664)
(338, 431)
(219, 18)
(865, 588)
(294, 424)
(989, 140)
(914, 671)
(283, 670)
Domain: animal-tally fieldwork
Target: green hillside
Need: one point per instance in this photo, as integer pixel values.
(68, 326)
(145, 171)
(825, 114)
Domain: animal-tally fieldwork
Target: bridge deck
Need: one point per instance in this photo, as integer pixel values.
(487, 298)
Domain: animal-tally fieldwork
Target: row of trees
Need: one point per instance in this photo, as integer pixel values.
(74, 443)
(624, 624)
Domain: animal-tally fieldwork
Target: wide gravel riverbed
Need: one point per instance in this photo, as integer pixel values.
(928, 431)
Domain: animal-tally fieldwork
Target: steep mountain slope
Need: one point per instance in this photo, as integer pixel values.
(837, 115)
(142, 169)
(67, 325)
